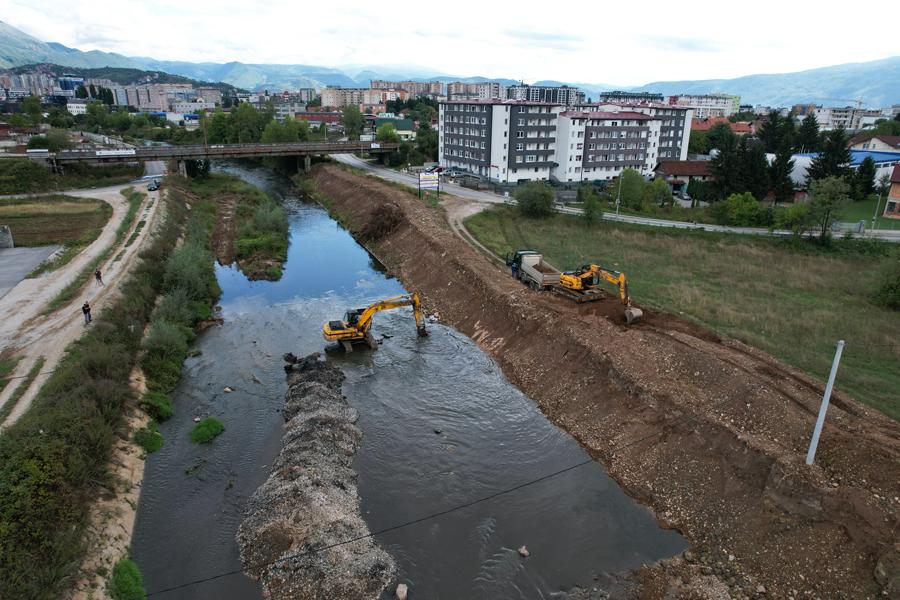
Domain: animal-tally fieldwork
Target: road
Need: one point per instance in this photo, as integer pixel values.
(491, 198)
(32, 335)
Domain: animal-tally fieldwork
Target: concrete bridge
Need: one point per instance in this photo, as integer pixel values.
(205, 151)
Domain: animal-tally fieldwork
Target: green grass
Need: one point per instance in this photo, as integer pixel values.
(7, 366)
(863, 211)
(126, 582)
(53, 461)
(793, 301)
(149, 438)
(157, 405)
(23, 386)
(207, 430)
(25, 176)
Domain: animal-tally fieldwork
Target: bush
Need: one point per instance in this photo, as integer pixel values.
(191, 269)
(889, 291)
(206, 430)
(157, 405)
(535, 199)
(149, 438)
(126, 582)
(164, 351)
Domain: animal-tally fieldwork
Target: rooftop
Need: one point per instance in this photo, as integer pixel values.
(857, 156)
(684, 167)
(607, 115)
(890, 140)
(501, 101)
(895, 176)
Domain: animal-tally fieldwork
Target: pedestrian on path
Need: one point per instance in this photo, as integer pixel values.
(98, 276)
(86, 309)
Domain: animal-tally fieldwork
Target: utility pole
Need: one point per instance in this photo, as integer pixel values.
(820, 422)
(877, 206)
(619, 193)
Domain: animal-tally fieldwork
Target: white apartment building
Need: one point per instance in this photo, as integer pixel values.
(338, 97)
(487, 90)
(598, 145)
(76, 107)
(675, 124)
(708, 105)
(847, 117)
(192, 107)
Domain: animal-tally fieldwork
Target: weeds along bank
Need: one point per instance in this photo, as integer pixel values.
(53, 461)
(708, 432)
(25, 176)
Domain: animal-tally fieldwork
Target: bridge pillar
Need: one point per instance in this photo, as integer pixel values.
(182, 168)
(307, 163)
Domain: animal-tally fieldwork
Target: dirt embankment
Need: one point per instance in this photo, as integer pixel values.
(707, 432)
(309, 503)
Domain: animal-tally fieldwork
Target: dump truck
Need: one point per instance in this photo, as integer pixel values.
(530, 268)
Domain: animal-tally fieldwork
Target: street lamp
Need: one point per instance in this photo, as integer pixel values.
(877, 205)
(619, 192)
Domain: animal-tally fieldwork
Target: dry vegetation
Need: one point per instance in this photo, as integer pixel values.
(793, 302)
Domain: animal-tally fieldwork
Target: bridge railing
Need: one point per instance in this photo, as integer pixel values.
(225, 151)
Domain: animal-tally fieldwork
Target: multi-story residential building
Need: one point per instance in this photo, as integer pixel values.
(845, 118)
(192, 107)
(382, 96)
(564, 95)
(288, 108)
(415, 88)
(210, 94)
(76, 107)
(339, 97)
(708, 105)
(598, 145)
(506, 141)
(878, 143)
(675, 124)
(486, 90)
(69, 83)
(616, 97)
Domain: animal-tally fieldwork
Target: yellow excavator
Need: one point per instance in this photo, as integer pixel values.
(357, 323)
(582, 284)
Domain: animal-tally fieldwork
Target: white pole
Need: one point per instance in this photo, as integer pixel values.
(619, 194)
(813, 444)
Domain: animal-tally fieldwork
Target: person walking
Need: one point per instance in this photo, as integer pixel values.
(98, 276)
(86, 309)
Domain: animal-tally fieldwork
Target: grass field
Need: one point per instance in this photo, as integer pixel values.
(793, 302)
(863, 211)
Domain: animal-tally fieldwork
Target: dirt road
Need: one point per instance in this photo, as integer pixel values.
(32, 335)
(709, 433)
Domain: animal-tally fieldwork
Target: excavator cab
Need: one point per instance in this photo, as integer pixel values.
(357, 323)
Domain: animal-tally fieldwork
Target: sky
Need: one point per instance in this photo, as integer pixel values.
(624, 43)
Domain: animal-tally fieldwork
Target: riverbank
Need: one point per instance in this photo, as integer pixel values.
(706, 431)
(296, 522)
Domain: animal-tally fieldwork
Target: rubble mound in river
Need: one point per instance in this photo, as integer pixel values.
(309, 503)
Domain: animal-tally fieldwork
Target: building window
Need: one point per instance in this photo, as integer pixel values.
(518, 159)
(520, 147)
(520, 122)
(531, 158)
(520, 134)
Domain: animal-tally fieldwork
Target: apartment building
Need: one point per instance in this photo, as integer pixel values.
(487, 90)
(506, 141)
(564, 95)
(619, 97)
(339, 97)
(675, 124)
(708, 105)
(192, 107)
(415, 88)
(598, 145)
(846, 118)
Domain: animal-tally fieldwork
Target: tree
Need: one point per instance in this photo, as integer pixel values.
(826, 197)
(197, 169)
(699, 191)
(96, 115)
(718, 135)
(808, 134)
(657, 193)
(427, 142)
(754, 170)
(796, 218)
(780, 181)
(31, 106)
(590, 204)
(535, 199)
(246, 124)
(322, 131)
(864, 179)
(386, 133)
(725, 168)
(884, 185)
(632, 186)
(353, 122)
(81, 92)
(833, 160)
(887, 127)
(217, 127)
(698, 143)
(92, 91)
(770, 132)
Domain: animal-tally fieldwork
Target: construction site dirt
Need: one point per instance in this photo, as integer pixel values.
(707, 432)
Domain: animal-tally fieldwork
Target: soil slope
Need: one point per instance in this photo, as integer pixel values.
(707, 432)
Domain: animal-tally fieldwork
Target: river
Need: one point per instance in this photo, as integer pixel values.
(441, 427)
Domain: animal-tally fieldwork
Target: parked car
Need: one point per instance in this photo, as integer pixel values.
(435, 169)
(153, 186)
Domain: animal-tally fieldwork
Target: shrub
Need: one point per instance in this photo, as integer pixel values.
(149, 438)
(126, 582)
(535, 199)
(191, 269)
(165, 349)
(157, 405)
(206, 430)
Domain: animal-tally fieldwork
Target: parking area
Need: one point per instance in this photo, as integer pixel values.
(16, 263)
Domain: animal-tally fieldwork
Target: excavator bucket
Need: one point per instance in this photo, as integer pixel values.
(633, 314)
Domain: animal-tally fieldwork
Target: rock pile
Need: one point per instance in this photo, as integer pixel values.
(295, 523)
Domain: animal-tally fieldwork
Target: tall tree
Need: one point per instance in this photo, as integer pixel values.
(590, 204)
(93, 91)
(698, 143)
(826, 197)
(864, 179)
(353, 122)
(754, 170)
(217, 127)
(427, 142)
(808, 134)
(771, 131)
(81, 92)
(833, 160)
(31, 106)
(725, 168)
(780, 181)
(246, 124)
(632, 186)
(718, 134)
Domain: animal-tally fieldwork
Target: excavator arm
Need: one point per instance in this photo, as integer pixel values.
(356, 326)
(588, 277)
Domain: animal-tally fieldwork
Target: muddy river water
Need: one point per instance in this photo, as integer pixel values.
(442, 427)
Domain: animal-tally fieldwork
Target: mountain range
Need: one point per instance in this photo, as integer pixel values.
(876, 83)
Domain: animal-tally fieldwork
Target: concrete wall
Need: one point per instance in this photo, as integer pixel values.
(6, 238)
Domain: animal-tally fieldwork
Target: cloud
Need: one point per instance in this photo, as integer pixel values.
(678, 44)
(545, 39)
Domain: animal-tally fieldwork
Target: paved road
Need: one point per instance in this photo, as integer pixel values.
(16, 263)
(491, 198)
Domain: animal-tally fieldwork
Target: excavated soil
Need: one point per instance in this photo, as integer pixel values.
(709, 433)
(294, 523)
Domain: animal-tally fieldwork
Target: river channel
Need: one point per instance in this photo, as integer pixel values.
(441, 427)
